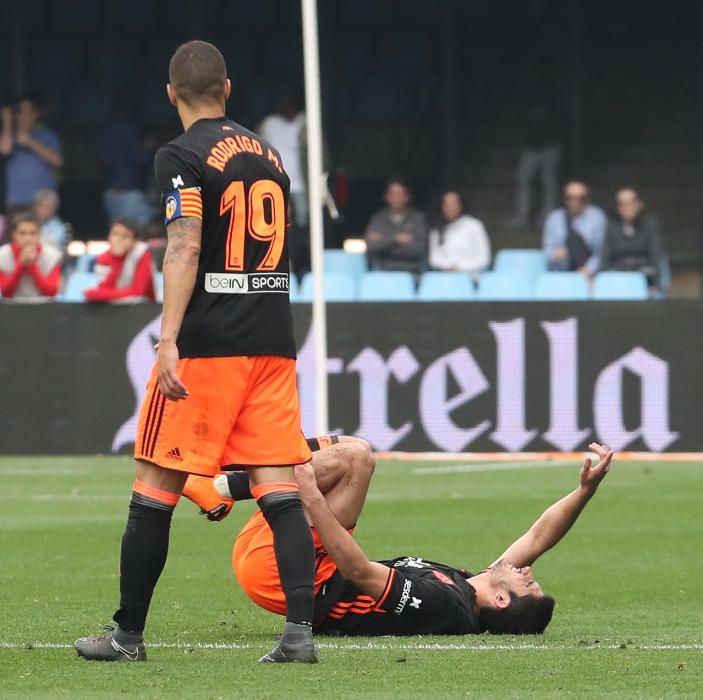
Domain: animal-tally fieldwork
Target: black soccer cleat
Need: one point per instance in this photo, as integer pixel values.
(113, 645)
(296, 645)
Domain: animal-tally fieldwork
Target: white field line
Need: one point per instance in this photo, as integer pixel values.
(489, 467)
(43, 471)
(384, 646)
(65, 497)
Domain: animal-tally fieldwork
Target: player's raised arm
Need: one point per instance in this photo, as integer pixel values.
(369, 576)
(557, 520)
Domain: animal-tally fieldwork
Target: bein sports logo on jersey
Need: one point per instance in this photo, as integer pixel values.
(246, 283)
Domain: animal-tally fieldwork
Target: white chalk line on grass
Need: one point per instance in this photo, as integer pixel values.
(381, 646)
(489, 467)
(32, 472)
(65, 497)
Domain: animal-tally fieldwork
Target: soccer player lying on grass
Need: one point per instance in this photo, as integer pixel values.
(401, 596)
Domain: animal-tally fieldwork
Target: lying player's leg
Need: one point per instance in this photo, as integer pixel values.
(347, 470)
(343, 468)
(168, 446)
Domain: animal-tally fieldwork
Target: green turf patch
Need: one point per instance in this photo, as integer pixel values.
(628, 581)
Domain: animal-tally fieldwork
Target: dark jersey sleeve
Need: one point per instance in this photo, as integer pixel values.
(417, 599)
(179, 179)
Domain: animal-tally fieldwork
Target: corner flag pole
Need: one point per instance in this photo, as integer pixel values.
(317, 241)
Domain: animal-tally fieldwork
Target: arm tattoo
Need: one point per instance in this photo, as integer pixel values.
(183, 241)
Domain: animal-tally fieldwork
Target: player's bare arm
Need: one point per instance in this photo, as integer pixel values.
(557, 520)
(180, 269)
(353, 564)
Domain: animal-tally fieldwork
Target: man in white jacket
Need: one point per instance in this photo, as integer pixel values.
(461, 242)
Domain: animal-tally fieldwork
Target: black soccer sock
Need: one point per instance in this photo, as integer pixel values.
(293, 545)
(143, 556)
(238, 484)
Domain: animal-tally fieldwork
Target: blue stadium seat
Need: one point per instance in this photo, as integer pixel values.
(561, 286)
(77, 283)
(524, 261)
(446, 286)
(351, 263)
(293, 287)
(85, 263)
(339, 286)
(500, 286)
(387, 286)
(620, 286)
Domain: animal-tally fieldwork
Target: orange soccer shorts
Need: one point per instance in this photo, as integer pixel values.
(240, 412)
(254, 563)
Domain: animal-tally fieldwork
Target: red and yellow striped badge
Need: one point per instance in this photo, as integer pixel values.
(191, 202)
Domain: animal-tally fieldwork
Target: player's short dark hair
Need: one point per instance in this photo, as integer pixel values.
(128, 223)
(525, 615)
(23, 218)
(397, 180)
(197, 73)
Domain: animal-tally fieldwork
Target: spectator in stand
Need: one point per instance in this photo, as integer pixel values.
(29, 269)
(573, 235)
(284, 129)
(460, 243)
(45, 210)
(126, 158)
(540, 155)
(633, 238)
(126, 269)
(33, 154)
(396, 237)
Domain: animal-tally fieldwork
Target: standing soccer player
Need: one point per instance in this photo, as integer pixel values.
(223, 391)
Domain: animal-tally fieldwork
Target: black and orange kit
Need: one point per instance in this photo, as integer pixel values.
(421, 597)
(236, 345)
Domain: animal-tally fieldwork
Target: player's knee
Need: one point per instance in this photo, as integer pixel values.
(362, 459)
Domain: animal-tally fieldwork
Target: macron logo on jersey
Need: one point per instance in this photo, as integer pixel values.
(405, 597)
(243, 283)
(177, 182)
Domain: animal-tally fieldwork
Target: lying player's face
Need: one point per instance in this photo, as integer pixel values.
(121, 239)
(519, 580)
(26, 233)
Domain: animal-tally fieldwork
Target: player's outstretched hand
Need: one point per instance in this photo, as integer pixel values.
(169, 383)
(590, 477)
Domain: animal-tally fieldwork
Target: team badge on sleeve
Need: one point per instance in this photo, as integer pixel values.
(185, 202)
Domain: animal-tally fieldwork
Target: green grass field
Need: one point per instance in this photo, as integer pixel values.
(628, 581)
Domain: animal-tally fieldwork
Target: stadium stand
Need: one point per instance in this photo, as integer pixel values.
(77, 283)
(387, 286)
(502, 286)
(519, 261)
(338, 286)
(620, 286)
(351, 263)
(561, 286)
(445, 286)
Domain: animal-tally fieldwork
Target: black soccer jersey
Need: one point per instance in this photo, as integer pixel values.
(421, 597)
(234, 181)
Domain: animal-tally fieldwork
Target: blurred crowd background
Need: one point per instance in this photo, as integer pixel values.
(526, 149)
